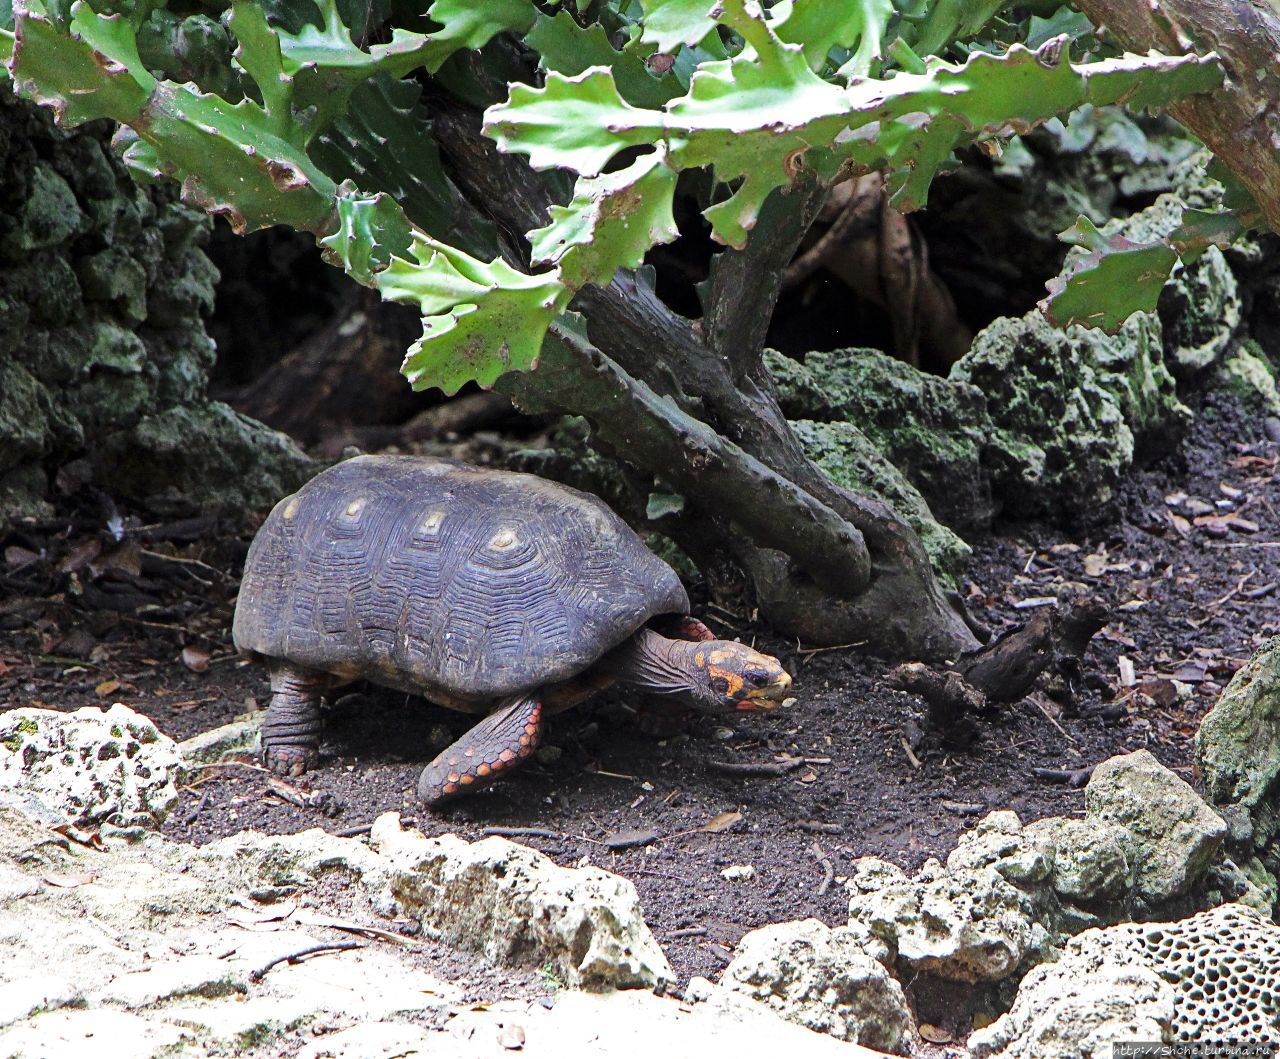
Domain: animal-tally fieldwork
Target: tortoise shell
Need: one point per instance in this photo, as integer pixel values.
(445, 579)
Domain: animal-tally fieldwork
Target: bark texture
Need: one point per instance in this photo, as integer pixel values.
(1239, 122)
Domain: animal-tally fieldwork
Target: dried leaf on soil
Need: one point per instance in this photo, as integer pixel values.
(195, 658)
(721, 822)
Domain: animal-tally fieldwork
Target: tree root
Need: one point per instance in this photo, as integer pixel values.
(1043, 652)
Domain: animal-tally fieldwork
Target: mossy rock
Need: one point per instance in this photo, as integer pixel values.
(933, 430)
(1062, 444)
(852, 460)
(1249, 375)
(103, 293)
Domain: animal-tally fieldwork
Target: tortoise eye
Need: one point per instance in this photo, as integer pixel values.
(757, 680)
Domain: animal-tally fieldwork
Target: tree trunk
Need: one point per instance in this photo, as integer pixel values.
(1240, 121)
(692, 403)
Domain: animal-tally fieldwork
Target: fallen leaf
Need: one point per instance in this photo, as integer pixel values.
(1161, 691)
(628, 839)
(16, 557)
(70, 882)
(1095, 565)
(1127, 676)
(934, 1034)
(127, 558)
(80, 556)
(106, 688)
(721, 822)
(195, 658)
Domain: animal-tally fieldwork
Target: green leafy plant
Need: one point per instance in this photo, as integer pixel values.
(364, 127)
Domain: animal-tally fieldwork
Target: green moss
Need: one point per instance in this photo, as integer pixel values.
(50, 214)
(933, 430)
(853, 461)
(28, 727)
(1249, 375)
(1061, 443)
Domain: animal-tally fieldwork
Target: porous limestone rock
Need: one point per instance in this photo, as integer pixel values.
(1000, 841)
(1090, 863)
(1212, 976)
(967, 924)
(516, 906)
(1170, 834)
(823, 979)
(1078, 1009)
(90, 767)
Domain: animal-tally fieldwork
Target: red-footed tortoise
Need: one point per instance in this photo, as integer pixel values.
(490, 592)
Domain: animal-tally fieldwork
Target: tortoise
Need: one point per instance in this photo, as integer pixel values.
(490, 592)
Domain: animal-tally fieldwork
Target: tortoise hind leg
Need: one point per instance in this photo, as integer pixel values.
(291, 728)
(494, 746)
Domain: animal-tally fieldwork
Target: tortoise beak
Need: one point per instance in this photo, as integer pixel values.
(769, 697)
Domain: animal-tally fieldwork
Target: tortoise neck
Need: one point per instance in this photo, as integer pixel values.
(653, 663)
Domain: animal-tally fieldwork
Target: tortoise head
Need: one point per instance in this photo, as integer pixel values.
(731, 675)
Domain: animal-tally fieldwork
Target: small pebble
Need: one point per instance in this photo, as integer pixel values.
(1272, 426)
(738, 871)
(698, 990)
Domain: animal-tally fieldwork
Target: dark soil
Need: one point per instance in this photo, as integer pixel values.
(1192, 603)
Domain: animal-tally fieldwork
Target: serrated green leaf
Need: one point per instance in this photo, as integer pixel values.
(387, 111)
(577, 123)
(671, 23)
(468, 24)
(480, 320)
(1117, 277)
(610, 224)
(259, 56)
(228, 157)
(923, 117)
(69, 74)
(1065, 21)
(1113, 279)
(755, 121)
(371, 230)
(818, 26)
(569, 49)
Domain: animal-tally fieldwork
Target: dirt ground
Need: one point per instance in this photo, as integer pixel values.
(1192, 566)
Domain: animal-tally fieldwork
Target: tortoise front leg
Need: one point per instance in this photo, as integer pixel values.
(494, 746)
(291, 728)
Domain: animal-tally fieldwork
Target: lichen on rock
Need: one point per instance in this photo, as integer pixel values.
(1238, 755)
